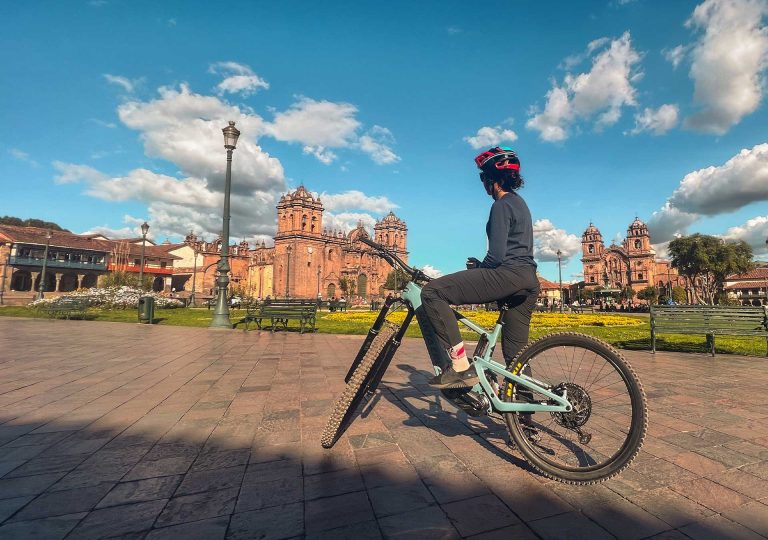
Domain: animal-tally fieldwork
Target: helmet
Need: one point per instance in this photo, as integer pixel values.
(498, 158)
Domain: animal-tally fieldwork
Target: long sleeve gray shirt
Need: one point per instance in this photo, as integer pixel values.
(510, 233)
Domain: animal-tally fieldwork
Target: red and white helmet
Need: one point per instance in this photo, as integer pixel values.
(498, 158)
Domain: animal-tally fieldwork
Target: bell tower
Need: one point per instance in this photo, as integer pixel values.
(299, 213)
(638, 239)
(392, 232)
(592, 249)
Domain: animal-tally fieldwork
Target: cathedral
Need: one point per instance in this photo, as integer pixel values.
(309, 260)
(633, 263)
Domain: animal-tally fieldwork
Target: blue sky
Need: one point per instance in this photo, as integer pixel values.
(112, 112)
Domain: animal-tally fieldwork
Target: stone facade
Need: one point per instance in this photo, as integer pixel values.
(633, 263)
(308, 260)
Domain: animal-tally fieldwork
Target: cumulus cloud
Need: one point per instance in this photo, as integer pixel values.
(124, 82)
(753, 232)
(346, 221)
(21, 155)
(676, 55)
(357, 200)
(548, 239)
(431, 271)
(322, 154)
(657, 121)
(728, 62)
(488, 136)
(710, 191)
(238, 79)
(376, 143)
(596, 96)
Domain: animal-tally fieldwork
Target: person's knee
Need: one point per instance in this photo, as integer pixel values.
(429, 294)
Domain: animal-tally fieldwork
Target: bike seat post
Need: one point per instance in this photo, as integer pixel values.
(503, 307)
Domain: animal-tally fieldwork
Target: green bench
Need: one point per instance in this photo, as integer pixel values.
(280, 312)
(710, 321)
(65, 308)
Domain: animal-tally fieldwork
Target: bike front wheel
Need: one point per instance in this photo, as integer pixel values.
(346, 406)
(605, 430)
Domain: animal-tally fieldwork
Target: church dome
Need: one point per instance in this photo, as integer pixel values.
(358, 232)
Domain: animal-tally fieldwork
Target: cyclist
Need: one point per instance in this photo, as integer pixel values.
(506, 274)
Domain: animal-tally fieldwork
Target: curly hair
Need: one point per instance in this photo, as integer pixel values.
(508, 180)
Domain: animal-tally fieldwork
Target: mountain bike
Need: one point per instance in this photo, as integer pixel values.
(572, 404)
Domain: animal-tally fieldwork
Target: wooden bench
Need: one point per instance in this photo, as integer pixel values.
(65, 308)
(710, 321)
(279, 312)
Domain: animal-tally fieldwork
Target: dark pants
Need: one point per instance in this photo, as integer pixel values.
(516, 286)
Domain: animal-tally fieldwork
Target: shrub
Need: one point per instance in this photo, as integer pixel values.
(115, 298)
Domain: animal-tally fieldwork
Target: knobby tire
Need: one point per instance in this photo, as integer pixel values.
(345, 407)
(639, 417)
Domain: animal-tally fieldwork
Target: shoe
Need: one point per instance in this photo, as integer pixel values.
(455, 379)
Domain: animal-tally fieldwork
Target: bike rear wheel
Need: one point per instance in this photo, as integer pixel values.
(605, 430)
(353, 394)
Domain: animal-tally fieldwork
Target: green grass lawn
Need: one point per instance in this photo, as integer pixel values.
(626, 337)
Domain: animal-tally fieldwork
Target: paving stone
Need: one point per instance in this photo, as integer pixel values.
(753, 515)
(399, 498)
(160, 467)
(211, 480)
(57, 503)
(670, 507)
(518, 532)
(199, 506)
(118, 520)
(206, 529)
(27, 485)
(744, 483)
(47, 464)
(368, 530)
(221, 459)
(9, 506)
(265, 472)
(270, 493)
(273, 523)
(141, 490)
(333, 512)
(479, 514)
(717, 528)
(332, 483)
(709, 494)
(569, 526)
(52, 528)
(424, 523)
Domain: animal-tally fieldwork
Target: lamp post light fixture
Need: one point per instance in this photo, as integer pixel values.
(144, 231)
(221, 314)
(319, 269)
(48, 235)
(194, 276)
(560, 276)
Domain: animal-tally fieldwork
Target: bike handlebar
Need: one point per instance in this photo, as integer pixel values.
(395, 261)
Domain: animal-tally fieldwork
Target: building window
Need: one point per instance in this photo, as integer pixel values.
(163, 264)
(637, 244)
(640, 276)
(591, 248)
(136, 262)
(591, 279)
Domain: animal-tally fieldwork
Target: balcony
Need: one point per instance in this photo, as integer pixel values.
(136, 268)
(55, 263)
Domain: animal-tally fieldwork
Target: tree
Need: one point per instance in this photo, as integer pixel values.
(678, 295)
(347, 286)
(627, 293)
(649, 294)
(706, 261)
(31, 222)
(402, 279)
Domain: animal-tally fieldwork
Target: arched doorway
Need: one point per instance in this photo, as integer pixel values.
(331, 290)
(21, 281)
(68, 282)
(89, 281)
(362, 286)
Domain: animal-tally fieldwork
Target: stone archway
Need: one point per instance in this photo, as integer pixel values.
(68, 282)
(21, 281)
(362, 286)
(331, 290)
(89, 281)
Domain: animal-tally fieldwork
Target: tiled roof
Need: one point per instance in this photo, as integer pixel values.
(546, 284)
(36, 235)
(755, 274)
(134, 250)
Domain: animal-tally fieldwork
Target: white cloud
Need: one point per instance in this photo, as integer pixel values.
(238, 78)
(322, 154)
(548, 239)
(23, 156)
(676, 55)
(376, 143)
(754, 232)
(742, 180)
(596, 96)
(490, 136)
(124, 82)
(669, 221)
(658, 121)
(102, 123)
(357, 200)
(316, 123)
(728, 62)
(431, 271)
(70, 173)
(346, 221)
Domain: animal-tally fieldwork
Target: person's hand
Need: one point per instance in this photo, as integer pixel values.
(472, 263)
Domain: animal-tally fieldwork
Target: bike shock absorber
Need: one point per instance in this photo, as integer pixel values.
(482, 346)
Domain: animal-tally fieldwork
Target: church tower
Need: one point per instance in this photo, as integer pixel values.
(640, 252)
(299, 213)
(392, 232)
(592, 248)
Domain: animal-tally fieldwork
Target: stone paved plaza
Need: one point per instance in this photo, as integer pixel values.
(130, 431)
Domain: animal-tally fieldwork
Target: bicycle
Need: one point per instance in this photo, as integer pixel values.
(553, 399)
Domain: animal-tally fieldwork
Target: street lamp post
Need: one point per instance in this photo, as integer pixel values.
(144, 231)
(288, 248)
(194, 275)
(560, 276)
(319, 269)
(221, 314)
(48, 236)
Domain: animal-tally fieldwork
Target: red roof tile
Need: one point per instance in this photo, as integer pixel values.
(36, 235)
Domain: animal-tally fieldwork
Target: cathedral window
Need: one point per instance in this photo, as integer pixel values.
(640, 276)
(591, 248)
(591, 279)
(637, 244)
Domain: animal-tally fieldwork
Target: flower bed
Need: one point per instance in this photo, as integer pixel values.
(114, 298)
(487, 319)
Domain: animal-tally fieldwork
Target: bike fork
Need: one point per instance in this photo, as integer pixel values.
(380, 367)
(372, 333)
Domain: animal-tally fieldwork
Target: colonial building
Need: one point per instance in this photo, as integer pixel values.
(633, 263)
(308, 260)
(749, 288)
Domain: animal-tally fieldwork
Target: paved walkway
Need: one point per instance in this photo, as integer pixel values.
(120, 430)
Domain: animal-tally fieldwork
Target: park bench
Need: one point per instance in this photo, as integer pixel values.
(65, 308)
(710, 321)
(279, 312)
